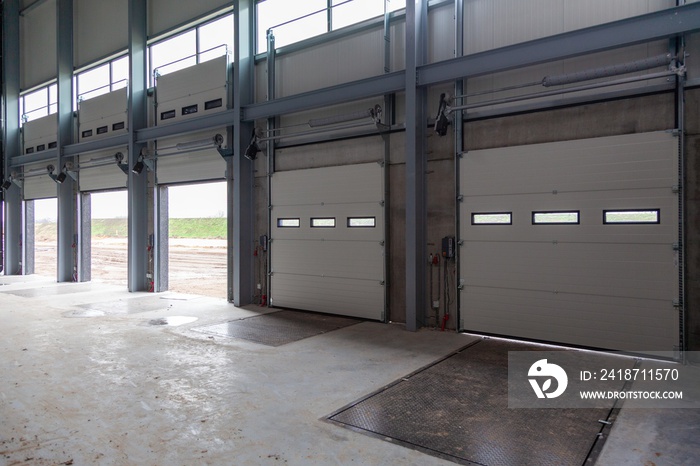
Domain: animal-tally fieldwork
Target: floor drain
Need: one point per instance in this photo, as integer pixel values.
(172, 321)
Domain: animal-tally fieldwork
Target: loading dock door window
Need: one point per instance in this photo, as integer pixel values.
(631, 217)
(288, 223)
(555, 218)
(362, 222)
(492, 218)
(323, 222)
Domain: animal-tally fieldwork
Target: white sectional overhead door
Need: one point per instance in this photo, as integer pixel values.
(573, 242)
(327, 249)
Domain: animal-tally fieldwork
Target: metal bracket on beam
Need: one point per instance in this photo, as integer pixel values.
(225, 153)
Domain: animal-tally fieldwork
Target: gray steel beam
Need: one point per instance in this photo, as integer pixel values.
(653, 26)
(343, 93)
(67, 191)
(662, 24)
(416, 120)
(272, 123)
(32, 6)
(99, 144)
(216, 120)
(12, 259)
(19, 160)
(458, 144)
(665, 23)
(138, 119)
(242, 220)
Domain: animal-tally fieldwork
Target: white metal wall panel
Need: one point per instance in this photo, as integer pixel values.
(398, 45)
(347, 59)
(99, 170)
(100, 29)
(40, 134)
(167, 14)
(37, 184)
(441, 29)
(489, 24)
(197, 86)
(192, 165)
(103, 116)
(37, 36)
(590, 13)
(336, 270)
(590, 284)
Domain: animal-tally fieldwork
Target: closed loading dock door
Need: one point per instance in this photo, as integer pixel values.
(327, 249)
(573, 242)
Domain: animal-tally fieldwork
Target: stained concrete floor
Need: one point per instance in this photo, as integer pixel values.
(87, 378)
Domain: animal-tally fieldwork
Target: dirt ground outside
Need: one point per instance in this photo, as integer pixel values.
(196, 266)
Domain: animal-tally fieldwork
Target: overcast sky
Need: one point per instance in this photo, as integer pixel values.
(190, 201)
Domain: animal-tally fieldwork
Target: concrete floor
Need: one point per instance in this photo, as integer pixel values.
(109, 388)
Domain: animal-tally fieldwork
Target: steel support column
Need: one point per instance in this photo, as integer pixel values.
(12, 257)
(85, 234)
(28, 239)
(678, 47)
(161, 236)
(138, 119)
(67, 270)
(240, 185)
(271, 125)
(458, 139)
(416, 121)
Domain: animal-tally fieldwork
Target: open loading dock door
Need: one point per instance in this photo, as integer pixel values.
(327, 248)
(573, 242)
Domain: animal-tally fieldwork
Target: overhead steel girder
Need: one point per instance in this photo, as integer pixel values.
(36, 157)
(356, 90)
(215, 120)
(639, 29)
(658, 25)
(71, 150)
(99, 144)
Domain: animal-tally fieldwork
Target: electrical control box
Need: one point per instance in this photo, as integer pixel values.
(263, 242)
(448, 247)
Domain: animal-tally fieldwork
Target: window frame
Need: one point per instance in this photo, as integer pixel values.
(198, 50)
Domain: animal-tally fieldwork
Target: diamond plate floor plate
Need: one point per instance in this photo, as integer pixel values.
(457, 409)
(279, 328)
